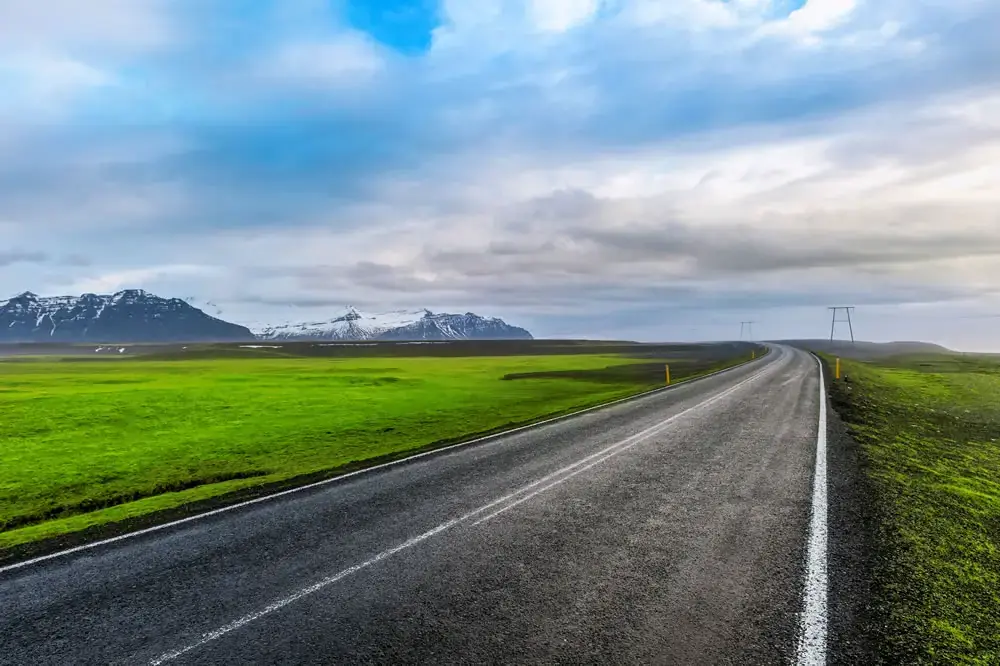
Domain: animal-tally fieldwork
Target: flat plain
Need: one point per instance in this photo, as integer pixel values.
(89, 439)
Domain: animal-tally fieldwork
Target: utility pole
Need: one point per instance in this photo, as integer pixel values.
(748, 327)
(846, 309)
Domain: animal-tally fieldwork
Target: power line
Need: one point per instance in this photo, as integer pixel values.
(847, 309)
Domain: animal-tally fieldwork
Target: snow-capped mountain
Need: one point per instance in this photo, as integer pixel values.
(351, 325)
(132, 315)
(468, 326)
(399, 325)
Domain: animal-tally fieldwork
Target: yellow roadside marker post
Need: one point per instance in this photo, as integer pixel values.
(667, 367)
(838, 369)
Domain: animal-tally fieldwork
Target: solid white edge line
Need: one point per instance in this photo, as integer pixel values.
(573, 469)
(366, 470)
(811, 649)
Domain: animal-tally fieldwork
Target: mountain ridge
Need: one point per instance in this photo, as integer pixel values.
(135, 315)
(132, 315)
(398, 325)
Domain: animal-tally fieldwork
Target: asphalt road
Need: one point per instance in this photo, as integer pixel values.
(671, 529)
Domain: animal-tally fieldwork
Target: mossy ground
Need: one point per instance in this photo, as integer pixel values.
(930, 430)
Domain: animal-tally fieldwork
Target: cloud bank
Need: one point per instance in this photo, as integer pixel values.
(614, 168)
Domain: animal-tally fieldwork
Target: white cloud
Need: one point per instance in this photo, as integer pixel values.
(51, 52)
(683, 14)
(150, 276)
(31, 24)
(678, 224)
(462, 14)
(793, 193)
(59, 73)
(348, 59)
(561, 15)
(817, 17)
(50, 75)
(820, 15)
(42, 84)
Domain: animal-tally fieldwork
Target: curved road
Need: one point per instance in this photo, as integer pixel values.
(668, 529)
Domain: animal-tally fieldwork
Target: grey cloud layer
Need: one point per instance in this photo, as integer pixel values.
(9, 257)
(576, 233)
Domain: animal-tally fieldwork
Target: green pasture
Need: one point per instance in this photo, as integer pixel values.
(87, 442)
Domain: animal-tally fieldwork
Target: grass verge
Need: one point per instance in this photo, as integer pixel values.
(87, 444)
(929, 427)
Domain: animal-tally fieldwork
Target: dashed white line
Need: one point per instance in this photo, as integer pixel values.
(811, 649)
(546, 482)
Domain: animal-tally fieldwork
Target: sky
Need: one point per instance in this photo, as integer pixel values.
(637, 169)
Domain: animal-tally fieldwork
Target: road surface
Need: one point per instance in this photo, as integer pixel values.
(672, 529)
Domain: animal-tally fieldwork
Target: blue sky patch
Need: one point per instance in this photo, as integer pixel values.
(404, 25)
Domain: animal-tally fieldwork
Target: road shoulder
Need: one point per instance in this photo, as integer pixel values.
(852, 554)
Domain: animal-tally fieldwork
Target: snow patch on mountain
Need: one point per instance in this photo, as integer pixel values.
(353, 324)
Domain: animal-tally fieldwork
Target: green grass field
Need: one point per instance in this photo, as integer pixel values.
(88, 442)
(930, 430)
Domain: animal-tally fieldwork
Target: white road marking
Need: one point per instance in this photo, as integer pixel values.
(546, 482)
(813, 621)
(341, 477)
